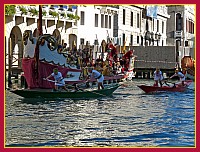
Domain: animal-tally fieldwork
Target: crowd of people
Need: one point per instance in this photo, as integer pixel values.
(109, 62)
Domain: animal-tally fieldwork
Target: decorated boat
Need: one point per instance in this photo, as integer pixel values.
(188, 67)
(176, 87)
(42, 54)
(80, 94)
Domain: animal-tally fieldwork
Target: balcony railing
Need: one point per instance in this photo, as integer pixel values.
(178, 34)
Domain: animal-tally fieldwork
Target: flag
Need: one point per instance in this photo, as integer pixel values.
(152, 11)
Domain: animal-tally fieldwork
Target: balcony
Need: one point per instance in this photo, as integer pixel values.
(178, 34)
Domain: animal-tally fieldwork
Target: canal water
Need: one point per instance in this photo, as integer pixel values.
(129, 118)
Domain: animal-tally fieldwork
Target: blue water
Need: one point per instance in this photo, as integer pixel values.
(128, 118)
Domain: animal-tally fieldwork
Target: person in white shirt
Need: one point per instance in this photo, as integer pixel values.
(158, 77)
(97, 75)
(180, 75)
(59, 81)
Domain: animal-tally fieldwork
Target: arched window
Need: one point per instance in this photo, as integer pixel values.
(178, 22)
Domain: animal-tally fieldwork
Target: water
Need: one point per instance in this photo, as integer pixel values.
(129, 118)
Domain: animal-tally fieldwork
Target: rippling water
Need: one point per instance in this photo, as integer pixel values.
(128, 118)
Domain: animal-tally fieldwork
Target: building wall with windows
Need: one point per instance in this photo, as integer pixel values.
(129, 25)
(96, 23)
(136, 28)
(181, 29)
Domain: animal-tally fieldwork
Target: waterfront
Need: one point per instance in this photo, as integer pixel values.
(129, 118)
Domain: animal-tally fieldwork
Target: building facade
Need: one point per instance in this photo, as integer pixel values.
(181, 30)
(125, 25)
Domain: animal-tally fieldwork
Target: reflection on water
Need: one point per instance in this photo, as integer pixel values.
(128, 118)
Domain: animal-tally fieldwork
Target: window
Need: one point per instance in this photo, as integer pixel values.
(131, 42)
(186, 43)
(106, 21)
(153, 24)
(102, 21)
(82, 41)
(96, 20)
(82, 18)
(157, 25)
(189, 26)
(163, 26)
(192, 28)
(123, 39)
(138, 39)
(124, 15)
(138, 20)
(109, 22)
(131, 18)
(178, 22)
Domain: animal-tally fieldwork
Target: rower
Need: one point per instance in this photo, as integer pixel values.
(158, 77)
(180, 75)
(97, 75)
(59, 81)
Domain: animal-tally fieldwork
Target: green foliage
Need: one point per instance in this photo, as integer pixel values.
(33, 11)
(70, 16)
(73, 17)
(10, 10)
(54, 14)
(23, 10)
(76, 17)
(44, 13)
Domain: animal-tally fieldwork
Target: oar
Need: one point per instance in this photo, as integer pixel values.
(77, 88)
(58, 82)
(167, 81)
(93, 92)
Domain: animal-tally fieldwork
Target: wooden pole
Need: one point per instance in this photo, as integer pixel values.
(40, 20)
(37, 45)
(9, 63)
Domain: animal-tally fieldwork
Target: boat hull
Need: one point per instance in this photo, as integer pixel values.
(176, 88)
(34, 93)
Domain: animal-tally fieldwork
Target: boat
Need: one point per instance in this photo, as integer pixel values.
(174, 88)
(80, 94)
(43, 53)
(188, 67)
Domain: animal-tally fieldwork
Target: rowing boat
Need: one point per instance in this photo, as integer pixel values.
(81, 94)
(175, 88)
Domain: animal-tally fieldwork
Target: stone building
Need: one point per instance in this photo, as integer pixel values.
(125, 25)
(181, 30)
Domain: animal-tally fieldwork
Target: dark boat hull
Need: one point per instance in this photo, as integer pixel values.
(67, 95)
(176, 88)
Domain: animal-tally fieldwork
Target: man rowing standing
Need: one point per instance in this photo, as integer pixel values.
(59, 81)
(180, 75)
(97, 75)
(158, 77)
